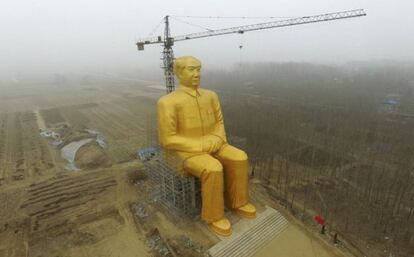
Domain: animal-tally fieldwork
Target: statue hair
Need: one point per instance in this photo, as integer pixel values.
(180, 62)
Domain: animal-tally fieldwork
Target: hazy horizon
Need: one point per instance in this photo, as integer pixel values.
(76, 36)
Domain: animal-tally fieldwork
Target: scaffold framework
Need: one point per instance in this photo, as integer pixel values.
(177, 192)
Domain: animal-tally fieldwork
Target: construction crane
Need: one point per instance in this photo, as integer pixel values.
(167, 41)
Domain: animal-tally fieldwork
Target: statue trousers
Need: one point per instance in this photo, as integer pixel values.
(224, 180)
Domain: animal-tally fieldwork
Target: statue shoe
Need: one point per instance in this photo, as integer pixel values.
(221, 227)
(246, 211)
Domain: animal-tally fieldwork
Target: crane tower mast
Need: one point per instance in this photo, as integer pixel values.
(168, 41)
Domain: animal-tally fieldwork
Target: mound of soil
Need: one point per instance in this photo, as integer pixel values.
(91, 156)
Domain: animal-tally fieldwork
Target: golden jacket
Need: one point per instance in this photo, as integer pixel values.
(185, 116)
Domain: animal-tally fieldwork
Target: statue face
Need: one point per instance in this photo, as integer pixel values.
(190, 75)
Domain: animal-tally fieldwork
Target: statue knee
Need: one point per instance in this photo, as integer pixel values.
(240, 155)
(231, 153)
(214, 167)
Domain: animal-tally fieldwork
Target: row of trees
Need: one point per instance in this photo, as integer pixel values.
(328, 140)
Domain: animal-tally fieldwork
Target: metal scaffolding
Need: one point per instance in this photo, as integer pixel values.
(179, 193)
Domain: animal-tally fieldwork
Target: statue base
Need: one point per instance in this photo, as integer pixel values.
(249, 235)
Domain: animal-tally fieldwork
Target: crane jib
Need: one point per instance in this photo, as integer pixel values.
(168, 40)
(275, 24)
(261, 26)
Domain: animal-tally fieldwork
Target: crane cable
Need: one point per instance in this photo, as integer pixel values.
(155, 28)
(176, 17)
(233, 17)
(241, 45)
(191, 24)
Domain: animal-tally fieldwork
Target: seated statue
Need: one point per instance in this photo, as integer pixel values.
(190, 124)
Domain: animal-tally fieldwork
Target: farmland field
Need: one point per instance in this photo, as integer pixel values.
(48, 211)
(39, 198)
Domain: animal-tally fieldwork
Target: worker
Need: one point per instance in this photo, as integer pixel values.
(190, 124)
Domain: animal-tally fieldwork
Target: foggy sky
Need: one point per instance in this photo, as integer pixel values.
(76, 35)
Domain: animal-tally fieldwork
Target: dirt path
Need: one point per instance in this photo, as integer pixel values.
(39, 118)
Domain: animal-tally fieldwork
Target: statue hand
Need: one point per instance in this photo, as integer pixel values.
(212, 143)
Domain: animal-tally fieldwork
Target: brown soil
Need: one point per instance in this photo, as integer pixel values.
(46, 211)
(294, 242)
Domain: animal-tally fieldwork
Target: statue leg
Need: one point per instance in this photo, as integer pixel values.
(210, 172)
(236, 179)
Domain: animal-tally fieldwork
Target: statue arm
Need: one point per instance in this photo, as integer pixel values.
(167, 130)
(219, 130)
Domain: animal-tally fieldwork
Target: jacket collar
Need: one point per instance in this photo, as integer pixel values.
(190, 91)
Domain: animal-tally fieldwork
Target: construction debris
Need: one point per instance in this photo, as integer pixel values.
(190, 244)
(139, 210)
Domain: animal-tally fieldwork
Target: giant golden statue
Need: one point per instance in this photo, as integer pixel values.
(190, 124)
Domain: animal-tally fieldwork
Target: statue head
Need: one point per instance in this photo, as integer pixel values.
(187, 69)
